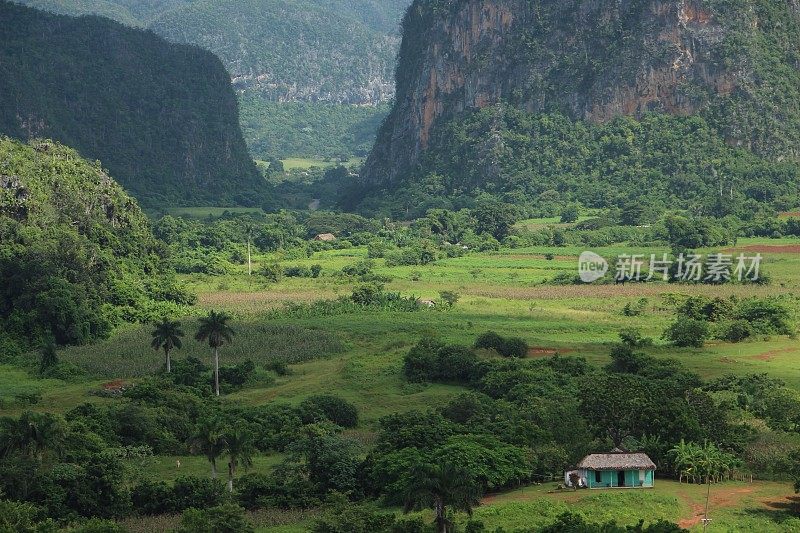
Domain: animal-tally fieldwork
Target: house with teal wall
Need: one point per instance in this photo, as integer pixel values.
(616, 469)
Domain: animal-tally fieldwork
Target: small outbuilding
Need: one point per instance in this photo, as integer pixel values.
(325, 237)
(615, 469)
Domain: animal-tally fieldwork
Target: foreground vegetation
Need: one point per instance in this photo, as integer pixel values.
(342, 395)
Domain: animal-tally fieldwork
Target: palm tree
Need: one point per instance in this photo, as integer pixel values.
(240, 448)
(439, 486)
(215, 329)
(209, 439)
(33, 436)
(167, 336)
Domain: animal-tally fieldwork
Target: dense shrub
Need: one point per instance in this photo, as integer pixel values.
(633, 337)
(227, 518)
(687, 332)
(191, 491)
(766, 316)
(489, 341)
(152, 498)
(431, 360)
(287, 487)
(190, 372)
(734, 330)
(505, 346)
(359, 269)
(235, 377)
(327, 407)
(271, 272)
(351, 518)
(299, 271)
(412, 255)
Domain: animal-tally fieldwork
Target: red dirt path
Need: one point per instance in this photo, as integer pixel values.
(720, 497)
(538, 351)
(767, 356)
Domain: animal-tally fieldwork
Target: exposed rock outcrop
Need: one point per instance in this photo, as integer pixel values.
(590, 59)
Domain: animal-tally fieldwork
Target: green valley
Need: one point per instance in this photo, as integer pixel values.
(559, 292)
(313, 77)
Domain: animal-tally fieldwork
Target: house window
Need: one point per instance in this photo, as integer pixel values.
(598, 476)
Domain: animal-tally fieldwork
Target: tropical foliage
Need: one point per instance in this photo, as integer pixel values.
(78, 256)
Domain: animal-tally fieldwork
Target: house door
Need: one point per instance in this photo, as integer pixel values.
(621, 478)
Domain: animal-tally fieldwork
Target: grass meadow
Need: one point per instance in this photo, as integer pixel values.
(359, 357)
(305, 163)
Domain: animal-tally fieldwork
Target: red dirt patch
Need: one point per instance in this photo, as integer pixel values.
(117, 384)
(768, 356)
(720, 497)
(528, 257)
(790, 214)
(768, 248)
(538, 351)
(698, 512)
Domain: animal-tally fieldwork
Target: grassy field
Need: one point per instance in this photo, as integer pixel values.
(733, 506)
(304, 163)
(359, 357)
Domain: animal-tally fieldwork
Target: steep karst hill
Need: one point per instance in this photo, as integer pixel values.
(732, 65)
(162, 117)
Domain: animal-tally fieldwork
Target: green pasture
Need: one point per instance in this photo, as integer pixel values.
(733, 506)
(305, 163)
(359, 358)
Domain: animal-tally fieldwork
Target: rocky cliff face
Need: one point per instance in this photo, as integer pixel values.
(589, 59)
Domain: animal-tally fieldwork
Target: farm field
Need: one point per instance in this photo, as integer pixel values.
(358, 357)
(760, 506)
(305, 163)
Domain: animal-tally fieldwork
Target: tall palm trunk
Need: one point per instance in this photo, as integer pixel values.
(441, 521)
(213, 468)
(169, 363)
(231, 472)
(216, 370)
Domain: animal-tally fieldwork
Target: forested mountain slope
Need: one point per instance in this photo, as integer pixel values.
(733, 64)
(339, 51)
(77, 255)
(333, 58)
(162, 117)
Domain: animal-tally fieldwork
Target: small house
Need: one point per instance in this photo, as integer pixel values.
(615, 469)
(325, 237)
